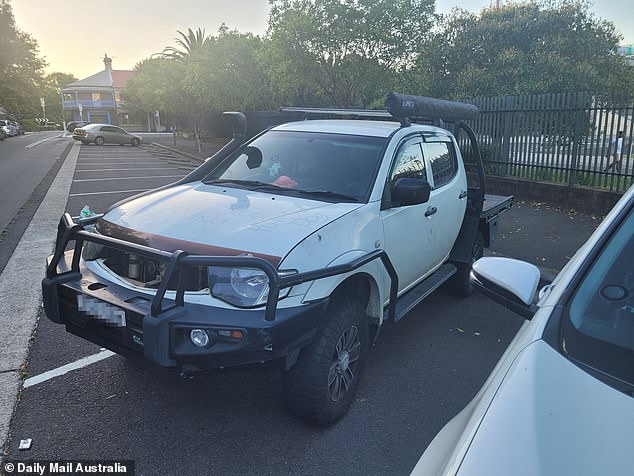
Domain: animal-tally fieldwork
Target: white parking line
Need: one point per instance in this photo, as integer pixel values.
(101, 159)
(112, 164)
(128, 178)
(104, 193)
(125, 170)
(64, 369)
(40, 141)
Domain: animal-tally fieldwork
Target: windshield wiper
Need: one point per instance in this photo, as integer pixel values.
(253, 184)
(326, 193)
(256, 185)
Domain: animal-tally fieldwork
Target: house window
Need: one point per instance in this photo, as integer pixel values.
(96, 96)
(68, 97)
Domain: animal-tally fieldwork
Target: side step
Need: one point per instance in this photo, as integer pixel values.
(414, 296)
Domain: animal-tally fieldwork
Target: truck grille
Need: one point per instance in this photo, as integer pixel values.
(146, 272)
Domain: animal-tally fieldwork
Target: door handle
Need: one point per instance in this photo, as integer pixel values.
(430, 211)
(463, 194)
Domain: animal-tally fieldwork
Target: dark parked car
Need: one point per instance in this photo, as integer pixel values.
(71, 126)
(105, 133)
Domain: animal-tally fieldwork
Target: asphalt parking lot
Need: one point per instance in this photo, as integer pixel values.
(421, 372)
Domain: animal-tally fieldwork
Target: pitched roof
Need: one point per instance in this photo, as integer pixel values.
(103, 79)
(120, 77)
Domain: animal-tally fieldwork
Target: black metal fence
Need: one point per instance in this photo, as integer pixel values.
(567, 138)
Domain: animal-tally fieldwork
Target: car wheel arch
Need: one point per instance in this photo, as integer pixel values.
(362, 288)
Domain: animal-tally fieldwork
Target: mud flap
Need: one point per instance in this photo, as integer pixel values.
(463, 247)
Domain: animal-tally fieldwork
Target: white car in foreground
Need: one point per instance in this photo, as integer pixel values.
(560, 400)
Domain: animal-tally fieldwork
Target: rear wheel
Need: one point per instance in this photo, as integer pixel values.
(135, 142)
(323, 382)
(99, 140)
(460, 284)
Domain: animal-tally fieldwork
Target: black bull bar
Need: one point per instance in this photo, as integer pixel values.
(68, 230)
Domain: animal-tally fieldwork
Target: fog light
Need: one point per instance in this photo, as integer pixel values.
(199, 337)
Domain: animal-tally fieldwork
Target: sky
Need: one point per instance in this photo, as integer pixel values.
(74, 36)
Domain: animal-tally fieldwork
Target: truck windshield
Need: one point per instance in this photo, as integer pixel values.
(337, 167)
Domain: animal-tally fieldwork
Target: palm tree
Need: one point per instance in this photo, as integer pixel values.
(188, 43)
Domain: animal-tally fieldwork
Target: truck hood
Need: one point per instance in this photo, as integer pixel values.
(216, 220)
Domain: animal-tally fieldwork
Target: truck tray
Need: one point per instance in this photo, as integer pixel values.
(494, 205)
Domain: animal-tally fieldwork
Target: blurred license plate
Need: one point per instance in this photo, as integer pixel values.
(101, 311)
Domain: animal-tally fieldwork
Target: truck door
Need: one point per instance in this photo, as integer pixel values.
(449, 193)
(408, 233)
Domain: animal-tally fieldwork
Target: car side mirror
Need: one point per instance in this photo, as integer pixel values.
(410, 191)
(508, 281)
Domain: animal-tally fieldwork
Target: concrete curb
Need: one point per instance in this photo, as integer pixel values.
(179, 152)
(21, 292)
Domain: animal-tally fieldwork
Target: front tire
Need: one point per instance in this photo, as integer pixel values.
(135, 142)
(99, 140)
(321, 386)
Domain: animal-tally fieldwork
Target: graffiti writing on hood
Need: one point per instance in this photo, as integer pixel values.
(306, 221)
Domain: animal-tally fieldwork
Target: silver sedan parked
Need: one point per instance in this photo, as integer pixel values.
(101, 134)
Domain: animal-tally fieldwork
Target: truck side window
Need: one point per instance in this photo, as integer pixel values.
(444, 164)
(409, 163)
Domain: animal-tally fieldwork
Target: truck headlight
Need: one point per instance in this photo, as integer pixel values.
(242, 287)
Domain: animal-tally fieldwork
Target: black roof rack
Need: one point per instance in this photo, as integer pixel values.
(348, 113)
(403, 108)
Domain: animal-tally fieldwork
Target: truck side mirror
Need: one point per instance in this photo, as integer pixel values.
(508, 281)
(410, 191)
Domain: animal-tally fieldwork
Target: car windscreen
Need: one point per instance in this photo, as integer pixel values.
(599, 328)
(330, 166)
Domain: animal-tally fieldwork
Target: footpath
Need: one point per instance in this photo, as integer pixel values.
(537, 232)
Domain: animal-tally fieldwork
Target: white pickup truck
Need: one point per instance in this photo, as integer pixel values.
(292, 249)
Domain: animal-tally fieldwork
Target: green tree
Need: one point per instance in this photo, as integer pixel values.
(187, 44)
(533, 47)
(51, 89)
(231, 73)
(343, 52)
(21, 69)
(222, 74)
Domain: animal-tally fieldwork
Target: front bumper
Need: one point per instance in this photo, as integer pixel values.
(164, 339)
(160, 327)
